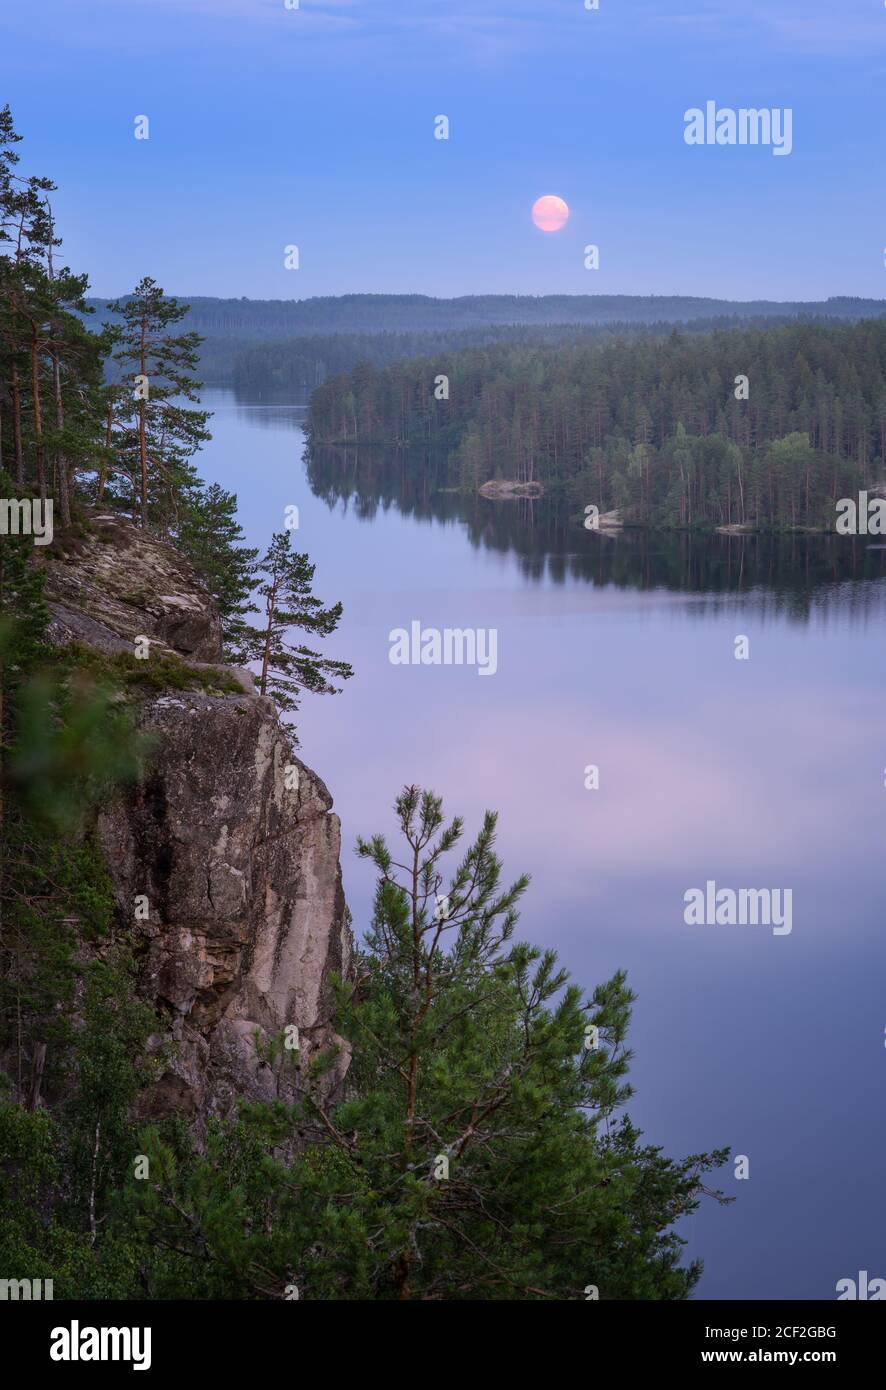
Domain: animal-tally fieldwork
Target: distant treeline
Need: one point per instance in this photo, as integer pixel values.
(374, 313)
(309, 336)
(305, 362)
(667, 430)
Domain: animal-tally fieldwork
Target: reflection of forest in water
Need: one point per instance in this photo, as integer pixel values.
(796, 574)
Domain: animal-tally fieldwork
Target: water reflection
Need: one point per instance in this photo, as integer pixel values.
(792, 574)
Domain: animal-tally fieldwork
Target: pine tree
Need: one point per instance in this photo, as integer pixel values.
(25, 229)
(289, 603)
(50, 365)
(212, 539)
(76, 362)
(157, 436)
(474, 1050)
(478, 1153)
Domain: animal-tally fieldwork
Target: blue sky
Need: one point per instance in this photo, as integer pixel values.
(315, 127)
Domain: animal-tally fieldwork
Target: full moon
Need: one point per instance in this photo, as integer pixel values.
(549, 213)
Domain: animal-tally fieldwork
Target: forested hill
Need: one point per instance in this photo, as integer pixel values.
(301, 363)
(286, 343)
(261, 319)
(763, 427)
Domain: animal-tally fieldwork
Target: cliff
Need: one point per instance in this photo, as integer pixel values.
(227, 855)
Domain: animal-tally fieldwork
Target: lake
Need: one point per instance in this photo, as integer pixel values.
(769, 772)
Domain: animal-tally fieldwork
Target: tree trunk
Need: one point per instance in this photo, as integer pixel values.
(740, 490)
(103, 470)
(92, 1221)
(38, 415)
(266, 654)
(142, 440)
(17, 428)
(61, 462)
(37, 1075)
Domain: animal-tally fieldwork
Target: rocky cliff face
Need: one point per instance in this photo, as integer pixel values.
(226, 857)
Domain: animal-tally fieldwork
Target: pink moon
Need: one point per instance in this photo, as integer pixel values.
(549, 213)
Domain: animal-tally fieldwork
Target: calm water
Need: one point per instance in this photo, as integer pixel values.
(768, 772)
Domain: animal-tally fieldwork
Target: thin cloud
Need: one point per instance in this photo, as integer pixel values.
(807, 26)
(479, 31)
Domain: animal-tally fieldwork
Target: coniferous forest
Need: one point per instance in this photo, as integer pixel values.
(753, 427)
(294, 364)
(465, 1046)
(268, 346)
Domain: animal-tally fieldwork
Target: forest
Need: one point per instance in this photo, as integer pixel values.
(267, 345)
(297, 364)
(467, 1047)
(763, 428)
(276, 319)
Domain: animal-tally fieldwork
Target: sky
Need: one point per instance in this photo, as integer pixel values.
(314, 127)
